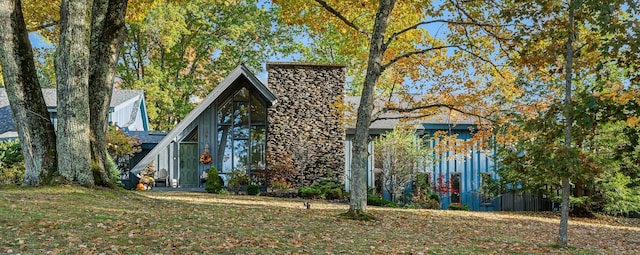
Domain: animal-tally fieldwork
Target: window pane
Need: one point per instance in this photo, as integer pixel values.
(241, 120)
(241, 95)
(224, 113)
(258, 141)
(240, 155)
(258, 111)
(225, 145)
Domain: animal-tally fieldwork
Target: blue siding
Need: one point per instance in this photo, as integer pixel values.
(470, 167)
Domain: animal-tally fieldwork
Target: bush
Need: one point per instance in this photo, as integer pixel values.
(309, 192)
(238, 178)
(458, 207)
(335, 193)
(253, 189)
(280, 185)
(214, 183)
(11, 162)
(434, 196)
(377, 201)
(114, 172)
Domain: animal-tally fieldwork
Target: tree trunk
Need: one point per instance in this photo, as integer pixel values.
(36, 133)
(358, 202)
(566, 185)
(72, 76)
(108, 33)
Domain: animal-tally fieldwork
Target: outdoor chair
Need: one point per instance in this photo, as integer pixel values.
(162, 176)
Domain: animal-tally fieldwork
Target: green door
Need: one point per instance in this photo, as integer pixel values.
(188, 164)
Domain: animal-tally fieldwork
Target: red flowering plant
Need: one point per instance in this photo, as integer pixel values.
(443, 187)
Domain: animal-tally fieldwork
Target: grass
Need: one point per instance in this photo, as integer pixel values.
(73, 220)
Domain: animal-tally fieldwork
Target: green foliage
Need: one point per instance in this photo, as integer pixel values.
(253, 189)
(114, 172)
(490, 187)
(401, 157)
(213, 184)
(11, 162)
(620, 196)
(309, 192)
(377, 201)
(183, 49)
(458, 207)
(121, 147)
(326, 188)
(238, 178)
(434, 196)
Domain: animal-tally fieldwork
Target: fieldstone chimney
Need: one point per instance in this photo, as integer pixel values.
(304, 123)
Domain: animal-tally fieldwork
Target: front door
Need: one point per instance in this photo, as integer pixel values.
(188, 164)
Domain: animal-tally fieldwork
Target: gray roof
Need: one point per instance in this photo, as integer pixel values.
(237, 73)
(388, 120)
(119, 96)
(148, 136)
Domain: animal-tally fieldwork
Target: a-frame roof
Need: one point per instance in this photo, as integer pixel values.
(238, 73)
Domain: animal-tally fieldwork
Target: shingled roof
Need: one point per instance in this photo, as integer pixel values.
(388, 120)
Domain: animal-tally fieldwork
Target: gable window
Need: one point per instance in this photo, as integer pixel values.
(241, 133)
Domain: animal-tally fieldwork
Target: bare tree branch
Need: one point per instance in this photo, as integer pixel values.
(484, 60)
(422, 107)
(43, 26)
(453, 22)
(401, 117)
(409, 54)
(342, 17)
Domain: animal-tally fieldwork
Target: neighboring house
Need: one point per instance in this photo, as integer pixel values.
(462, 172)
(127, 110)
(243, 123)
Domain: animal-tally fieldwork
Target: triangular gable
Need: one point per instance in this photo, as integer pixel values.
(239, 72)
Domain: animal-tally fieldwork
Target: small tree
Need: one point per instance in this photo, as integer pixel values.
(214, 184)
(402, 158)
(121, 147)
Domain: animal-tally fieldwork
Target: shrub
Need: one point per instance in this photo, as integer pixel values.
(213, 184)
(458, 207)
(238, 178)
(279, 167)
(121, 147)
(114, 172)
(377, 201)
(253, 189)
(434, 196)
(335, 193)
(431, 204)
(309, 192)
(11, 162)
(280, 185)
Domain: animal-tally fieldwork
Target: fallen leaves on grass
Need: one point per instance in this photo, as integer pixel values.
(78, 220)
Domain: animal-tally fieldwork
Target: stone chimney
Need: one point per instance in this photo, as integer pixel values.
(304, 122)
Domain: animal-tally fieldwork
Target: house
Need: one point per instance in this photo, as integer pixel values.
(243, 122)
(127, 110)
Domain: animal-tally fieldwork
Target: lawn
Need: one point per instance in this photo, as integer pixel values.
(72, 220)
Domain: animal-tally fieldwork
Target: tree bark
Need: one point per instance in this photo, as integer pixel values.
(35, 130)
(72, 76)
(566, 185)
(108, 33)
(358, 202)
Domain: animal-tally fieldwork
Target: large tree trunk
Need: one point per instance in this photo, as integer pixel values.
(358, 202)
(566, 185)
(72, 76)
(108, 33)
(36, 133)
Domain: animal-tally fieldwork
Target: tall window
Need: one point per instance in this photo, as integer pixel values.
(242, 131)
